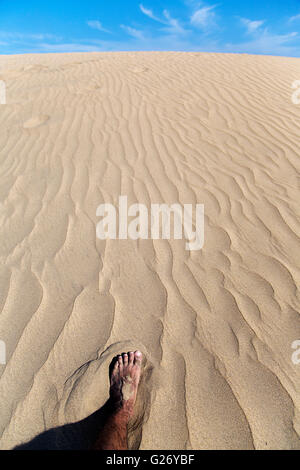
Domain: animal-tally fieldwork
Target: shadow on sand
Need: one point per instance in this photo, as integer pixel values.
(75, 436)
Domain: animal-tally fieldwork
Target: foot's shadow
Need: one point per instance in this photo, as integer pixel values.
(76, 436)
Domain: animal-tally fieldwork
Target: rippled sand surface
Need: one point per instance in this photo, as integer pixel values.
(216, 325)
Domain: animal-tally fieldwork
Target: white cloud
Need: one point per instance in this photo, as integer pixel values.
(136, 33)
(68, 47)
(95, 24)
(295, 18)
(150, 14)
(264, 41)
(203, 17)
(14, 36)
(252, 26)
(267, 43)
(171, 25)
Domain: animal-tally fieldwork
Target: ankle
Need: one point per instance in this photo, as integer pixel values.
(116, 408)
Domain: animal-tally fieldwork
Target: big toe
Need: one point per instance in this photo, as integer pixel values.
(138, 356)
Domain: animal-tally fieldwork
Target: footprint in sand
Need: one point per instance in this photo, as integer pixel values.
(35, 122)
(140, 69)
(36, 68)
(94, 87)
(86, 90)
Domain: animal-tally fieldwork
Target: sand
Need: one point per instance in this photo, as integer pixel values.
(215, 325)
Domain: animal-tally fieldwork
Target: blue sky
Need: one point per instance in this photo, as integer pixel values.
(254, 27)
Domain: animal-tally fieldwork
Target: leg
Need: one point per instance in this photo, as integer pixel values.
(124, 381)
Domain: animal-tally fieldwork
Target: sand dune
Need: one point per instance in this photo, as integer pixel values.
(216, 325)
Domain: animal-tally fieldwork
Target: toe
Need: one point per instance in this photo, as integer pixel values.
(120, 362)
(131, 357)
(125, 359)
(138, 356)
(114, 370)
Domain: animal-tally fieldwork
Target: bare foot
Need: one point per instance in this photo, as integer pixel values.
(124, 381)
